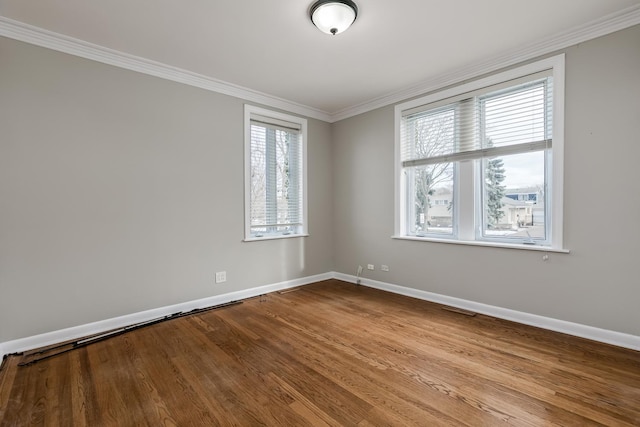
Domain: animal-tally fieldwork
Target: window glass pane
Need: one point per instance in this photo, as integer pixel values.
(276, 199)
(258, 175)
(513, 197)
(429, 134)
(431, 198)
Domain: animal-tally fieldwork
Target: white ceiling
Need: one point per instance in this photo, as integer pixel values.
(270, 46)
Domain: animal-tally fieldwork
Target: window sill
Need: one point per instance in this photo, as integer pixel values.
(485, 243)
(275, 237)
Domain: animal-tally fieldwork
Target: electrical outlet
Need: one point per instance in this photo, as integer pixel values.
(370, 267)
(221, 276)
(384, 267)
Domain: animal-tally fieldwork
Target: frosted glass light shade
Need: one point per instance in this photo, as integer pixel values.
(333, 17)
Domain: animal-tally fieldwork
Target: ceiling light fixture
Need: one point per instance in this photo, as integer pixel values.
(333, 16)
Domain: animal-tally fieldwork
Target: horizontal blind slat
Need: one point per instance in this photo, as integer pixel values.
(481, 153)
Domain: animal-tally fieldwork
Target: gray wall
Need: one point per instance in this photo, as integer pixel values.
(121, 192)
(597, 283)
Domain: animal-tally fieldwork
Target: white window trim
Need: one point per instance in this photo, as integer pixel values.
(249, 112)
(557, 65)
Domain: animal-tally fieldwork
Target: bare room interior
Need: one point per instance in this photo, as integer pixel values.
(319, 213)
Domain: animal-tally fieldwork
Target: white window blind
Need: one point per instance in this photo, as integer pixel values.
(275, 177)
(498, 120)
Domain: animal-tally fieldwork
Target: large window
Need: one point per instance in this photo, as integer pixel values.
(482, 163)
(275, 177)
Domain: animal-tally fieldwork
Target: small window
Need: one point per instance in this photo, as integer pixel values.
(482, 162)
(275, 175)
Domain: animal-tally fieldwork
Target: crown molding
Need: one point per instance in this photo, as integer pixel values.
(606, 25)
(44, 38)
(48, 39)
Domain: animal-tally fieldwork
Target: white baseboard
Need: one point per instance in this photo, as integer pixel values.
(575, 329)
(80, 331)
(596, 334)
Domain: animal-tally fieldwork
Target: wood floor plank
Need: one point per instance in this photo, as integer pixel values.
(377, 373)
(404, 401)
(254, 396)
(329, 354)
(304, 406)
(542, 388)
(78, 410)
(7, 377)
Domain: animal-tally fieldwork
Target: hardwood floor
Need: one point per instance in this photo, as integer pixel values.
(332, 354)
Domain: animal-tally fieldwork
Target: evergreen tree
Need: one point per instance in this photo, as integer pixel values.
(494, 190)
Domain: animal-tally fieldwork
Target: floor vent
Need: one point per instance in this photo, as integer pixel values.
(459, 311)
